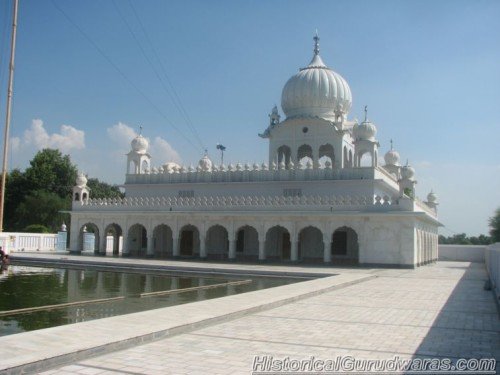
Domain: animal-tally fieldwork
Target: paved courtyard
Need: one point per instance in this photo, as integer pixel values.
(434, 311)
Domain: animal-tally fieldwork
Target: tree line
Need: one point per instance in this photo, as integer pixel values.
(38, 199)
(462, 239)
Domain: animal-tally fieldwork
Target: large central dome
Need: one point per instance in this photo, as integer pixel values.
(316, 91)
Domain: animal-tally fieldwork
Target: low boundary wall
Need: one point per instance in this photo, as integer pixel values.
(462, 253)
(492, 260)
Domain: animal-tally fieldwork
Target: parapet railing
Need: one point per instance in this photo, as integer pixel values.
(18, 241)
(224, 203)
(254, 173)
(422, 205)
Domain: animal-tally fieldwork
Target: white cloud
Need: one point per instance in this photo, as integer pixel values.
(163, 152)
(37, 138)
(121, 134)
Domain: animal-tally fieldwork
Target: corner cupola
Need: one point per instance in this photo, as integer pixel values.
(80, 190)
(138, 159)
(365, 142)
(392, 161)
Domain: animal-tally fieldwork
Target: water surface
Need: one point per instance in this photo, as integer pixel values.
(23, 287)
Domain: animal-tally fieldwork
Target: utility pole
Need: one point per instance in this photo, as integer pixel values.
(8, 111)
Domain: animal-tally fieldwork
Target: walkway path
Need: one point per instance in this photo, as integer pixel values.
(434, 311)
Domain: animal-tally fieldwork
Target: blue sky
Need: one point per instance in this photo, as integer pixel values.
(429, 72)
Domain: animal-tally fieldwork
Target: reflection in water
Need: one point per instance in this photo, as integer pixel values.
(22, 287)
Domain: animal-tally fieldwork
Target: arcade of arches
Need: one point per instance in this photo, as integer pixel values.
(216, 242)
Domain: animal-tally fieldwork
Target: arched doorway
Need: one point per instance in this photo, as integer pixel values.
(311, 244)
(284, 154)
(326, 153)
(189, 241)
(137, 241)
(89, 238)
(162, 241)
(217, 243)
(304, 151)
(278, 244)
(114, 239)
(345, 247)
(247, 243)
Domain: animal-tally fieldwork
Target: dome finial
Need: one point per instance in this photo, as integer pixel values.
(391, 145)
(316, 43)
(366, 113)
(140, 129)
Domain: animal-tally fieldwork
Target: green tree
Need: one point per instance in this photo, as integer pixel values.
(100, 189)
(36, 228)
(36, 195)
(462, 239)
(51, 171)
(16, 189)
(43, 207)
(495, 226)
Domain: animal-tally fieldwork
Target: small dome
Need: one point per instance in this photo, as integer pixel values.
(205, 164)
(170, 167)
(316, 91)
(140, 144)
(81, 180)
(365, 132)
(431, 197)
(392, 157)
(407, 172)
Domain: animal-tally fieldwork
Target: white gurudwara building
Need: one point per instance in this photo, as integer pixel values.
(322, 196)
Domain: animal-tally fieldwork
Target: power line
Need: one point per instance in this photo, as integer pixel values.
(122, 74)
(182, 108)
(131, 31)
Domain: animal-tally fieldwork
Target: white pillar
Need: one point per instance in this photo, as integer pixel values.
(327, 252)
(125, 246)
(232, 249)
(150, 251)
(262, 249)
(175, 250)
(102, 244)
(294, 254)
(203, 248)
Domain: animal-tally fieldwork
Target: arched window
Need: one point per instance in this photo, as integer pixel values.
(326, 152)
(145, 166)
(365, 159)
(304, 152)
(284, 154)
(84, 196)
(77, 197)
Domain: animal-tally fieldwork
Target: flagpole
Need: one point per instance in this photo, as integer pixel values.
(8, 111)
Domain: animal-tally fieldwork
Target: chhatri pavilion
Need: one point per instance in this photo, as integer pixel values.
(323, 195)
